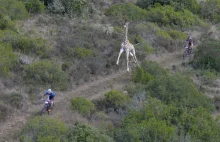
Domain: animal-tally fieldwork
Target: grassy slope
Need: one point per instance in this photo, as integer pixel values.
(91, 90)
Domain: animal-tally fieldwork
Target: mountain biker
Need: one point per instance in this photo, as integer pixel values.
(51, 97)
(190, 44)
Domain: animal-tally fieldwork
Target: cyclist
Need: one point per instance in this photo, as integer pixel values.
(51, 97)
(190, 45)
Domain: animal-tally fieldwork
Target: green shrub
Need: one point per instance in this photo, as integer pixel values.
(150, 123)
(126, 12)
(141, 76)
(84, 133)
(23, 43)
(208, 76)
(44, 129)
(14, 99)
(174, 34)
(7, 59)
(77, 7)
(200, 125)
(6, 23)
(45, 73)
(192, 5)
(82, 105)
(82, 52)
(115, 99)
(34, 6)
(153, 68)
(4, 111)
(207, 55)
(210, 10)
(178, 91)
(14, 9)
(147, 3)
(163, 34)
(56, 7)
(167, 16)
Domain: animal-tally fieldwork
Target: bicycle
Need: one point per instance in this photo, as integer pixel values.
(47, 107)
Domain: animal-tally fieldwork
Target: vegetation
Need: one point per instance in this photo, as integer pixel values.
(82, 105)
(14, 9)
(82, 132)
(79, 42)
(7, 59)
(44, 129)
(207, 55)
(34, 6)
(127, 12)
(45, 73)
(115, 99)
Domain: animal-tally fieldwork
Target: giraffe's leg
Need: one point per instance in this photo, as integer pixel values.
(135, 57)
(119, 55)
(127, 56)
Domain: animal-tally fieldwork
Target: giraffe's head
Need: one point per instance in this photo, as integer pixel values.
(126, 24)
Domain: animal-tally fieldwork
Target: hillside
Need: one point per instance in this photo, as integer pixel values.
(73, 50)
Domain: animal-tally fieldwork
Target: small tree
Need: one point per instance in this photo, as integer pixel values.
(82, 105)
(45, 73)
(44, 129)
(208, 55)
(7, 59)
(115, 99)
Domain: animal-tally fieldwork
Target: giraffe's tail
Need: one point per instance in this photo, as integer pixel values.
(136, 44)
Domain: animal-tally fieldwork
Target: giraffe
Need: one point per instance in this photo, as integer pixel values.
(128, 48)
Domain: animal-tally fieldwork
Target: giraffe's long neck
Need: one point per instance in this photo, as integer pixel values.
(126, 33)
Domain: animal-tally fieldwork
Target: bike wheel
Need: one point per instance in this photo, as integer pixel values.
(185, 54)
(43, 111)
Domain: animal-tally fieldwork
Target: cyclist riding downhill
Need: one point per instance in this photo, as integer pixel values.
(51, 98)
(190, 45)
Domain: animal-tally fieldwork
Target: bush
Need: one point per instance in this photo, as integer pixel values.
(34, 6)
(44, 129)
(7, 59)
(180, 5)
(167, 16)
(174, 34)
(207, 55)
(153, 68)
(82, 52)
(178, 91)
(45, 73)
(115, 99)
(76, 7)
(150, 123)
(210, 10)
(4, 111)
(208, 77)
(24, 44)
(6, 23)
(141, 76)
(126, 12)
(14, 9)
(147, 3)
(200, 125)
(82, 105)
(14, 99)
(84, 133)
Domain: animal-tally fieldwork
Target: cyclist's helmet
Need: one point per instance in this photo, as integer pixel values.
(49, 90)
